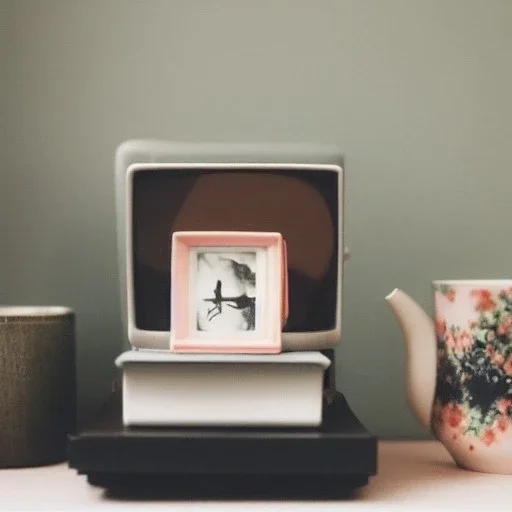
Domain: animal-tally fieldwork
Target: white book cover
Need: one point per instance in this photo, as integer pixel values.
(162, 388)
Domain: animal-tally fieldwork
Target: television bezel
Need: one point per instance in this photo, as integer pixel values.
(143, 156)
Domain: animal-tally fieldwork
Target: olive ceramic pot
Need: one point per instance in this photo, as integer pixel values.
(37, 384)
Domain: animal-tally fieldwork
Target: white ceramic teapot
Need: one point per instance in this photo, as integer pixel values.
(460, 369)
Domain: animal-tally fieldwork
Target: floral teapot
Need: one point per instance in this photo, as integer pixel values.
(460, 369)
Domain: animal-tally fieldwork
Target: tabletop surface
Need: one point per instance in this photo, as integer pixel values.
(412, 475)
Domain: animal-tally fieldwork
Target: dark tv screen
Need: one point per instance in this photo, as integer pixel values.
(302, 205)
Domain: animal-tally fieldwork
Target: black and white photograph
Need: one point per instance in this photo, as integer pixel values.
(229, 292)
(226, 291)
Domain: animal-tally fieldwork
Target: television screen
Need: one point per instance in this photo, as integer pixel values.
(300, 204)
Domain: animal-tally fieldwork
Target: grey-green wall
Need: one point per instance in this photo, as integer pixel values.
(417, 92)
(4, 178)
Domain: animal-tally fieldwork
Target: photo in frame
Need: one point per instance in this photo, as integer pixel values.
(229, 291)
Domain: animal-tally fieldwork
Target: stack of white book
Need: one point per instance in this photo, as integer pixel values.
(162, 388)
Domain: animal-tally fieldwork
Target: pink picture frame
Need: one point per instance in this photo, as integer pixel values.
(229, 291)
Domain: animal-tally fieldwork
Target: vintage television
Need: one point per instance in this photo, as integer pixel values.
(294, 189)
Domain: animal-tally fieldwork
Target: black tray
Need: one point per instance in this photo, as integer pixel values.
(332, 459)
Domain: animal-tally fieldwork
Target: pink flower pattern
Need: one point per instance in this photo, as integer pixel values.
(474, 381)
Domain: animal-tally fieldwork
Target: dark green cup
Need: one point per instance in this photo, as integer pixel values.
(37, 384)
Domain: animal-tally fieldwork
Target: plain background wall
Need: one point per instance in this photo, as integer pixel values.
(4, 45)
(417, 93)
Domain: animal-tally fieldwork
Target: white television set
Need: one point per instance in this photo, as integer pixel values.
(294, 189)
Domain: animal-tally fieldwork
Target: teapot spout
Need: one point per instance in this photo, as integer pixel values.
(420, 339)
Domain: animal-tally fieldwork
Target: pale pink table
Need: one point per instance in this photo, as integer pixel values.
(413, 475)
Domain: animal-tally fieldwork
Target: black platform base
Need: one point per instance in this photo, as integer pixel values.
(329, 461)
